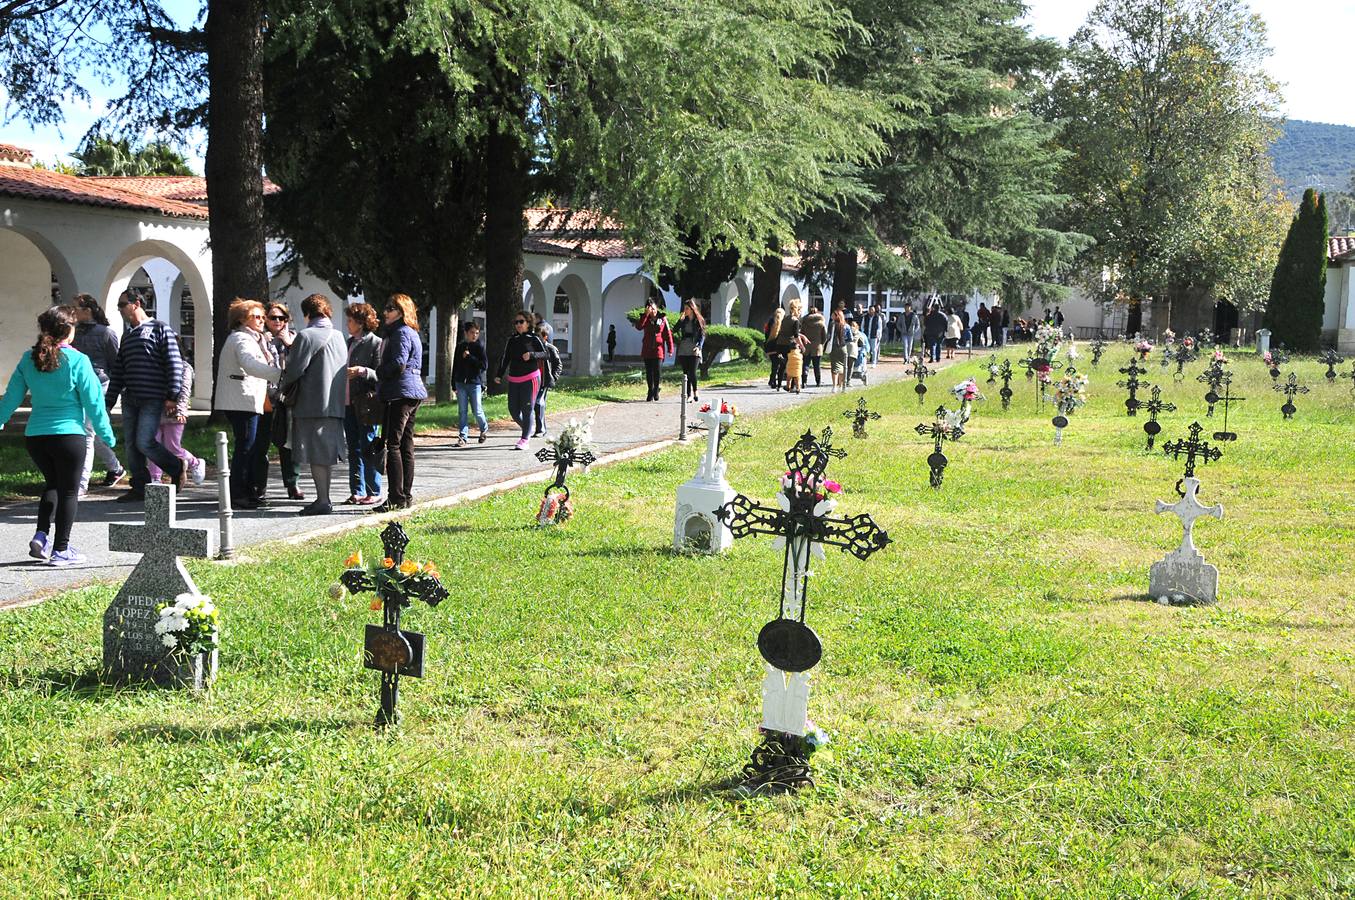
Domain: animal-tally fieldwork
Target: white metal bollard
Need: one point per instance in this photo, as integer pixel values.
(223, 496)
(682, 411)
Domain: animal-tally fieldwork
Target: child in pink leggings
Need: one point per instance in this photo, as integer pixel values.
(170, 433)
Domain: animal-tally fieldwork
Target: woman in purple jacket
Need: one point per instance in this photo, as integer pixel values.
(399, 384)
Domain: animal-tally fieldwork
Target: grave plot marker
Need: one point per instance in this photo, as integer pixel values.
(1290, 387)
(563, 452)
(1154, 407)
(1098, 348)
(387, 648)
(131, 648)
(944, 428)
(1212, 376)
(859, 417)
(696, 525)
(1227, 400)
(802, 526)
(1005, 373)
(1331, 360)
(1132, 384)
(919, 371)
(1184, 573)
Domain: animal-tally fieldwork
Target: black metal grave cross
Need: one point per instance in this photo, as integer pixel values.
(1195, 451)
(1098, 348)
(991, 366)
(1212, 376)
(1155, 406)
(1132, 384)
(919, 371)
(563, 462)
(787, 642)
(1290, 387)
(387, 649)
(1181, 356)
(1227, 400)
(1277, 358)
(939, 431)
(1005, 373)
(860, 416)
(1331, 360)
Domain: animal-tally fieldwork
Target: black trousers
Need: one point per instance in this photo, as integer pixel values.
(688, 364)
(60, 458)
(398, 431)
(778, 361)
(652, 377)
(812, 362)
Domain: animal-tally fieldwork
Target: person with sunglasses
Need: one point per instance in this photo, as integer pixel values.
(521, 364)
(243, 372)
(400, 386)
(278, 338)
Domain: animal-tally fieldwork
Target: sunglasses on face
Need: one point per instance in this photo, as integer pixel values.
(277, 318)
(519, 321)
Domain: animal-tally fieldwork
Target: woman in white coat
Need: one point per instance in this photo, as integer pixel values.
(242, 377)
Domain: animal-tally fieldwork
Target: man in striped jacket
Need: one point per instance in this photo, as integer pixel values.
(148, 373)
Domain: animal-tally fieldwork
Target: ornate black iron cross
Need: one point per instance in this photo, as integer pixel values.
(1290, 387)
(1181, 356)
(1212, 376)
(563, 462)
(387, 649)
(939, 431)
(1227, 400)
(1195, 451)
(787, 642)
(1132, 384)
(1155, 406)
(919, 371)
(1098, 348)
(1331, 360)
(1005, 373)
(860, 416)
(1277, 358)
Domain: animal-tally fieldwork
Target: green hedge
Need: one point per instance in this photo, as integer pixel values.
(745, 343)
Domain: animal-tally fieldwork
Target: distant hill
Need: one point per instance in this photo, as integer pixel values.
(1314, 154)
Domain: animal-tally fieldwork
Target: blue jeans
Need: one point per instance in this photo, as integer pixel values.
(539, 409)
(140, 422)
(363, 478)
(874, 351)
(243, 477)
(468, 400)
(934, 349)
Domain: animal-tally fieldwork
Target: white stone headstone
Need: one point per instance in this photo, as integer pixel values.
(695, 526)
(1184, 572)
(1262, 341)
(132, 649)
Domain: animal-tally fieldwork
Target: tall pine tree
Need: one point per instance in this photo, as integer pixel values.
(1299, 285)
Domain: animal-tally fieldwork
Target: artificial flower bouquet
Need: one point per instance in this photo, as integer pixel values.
(968, 391)
(1143, 348)
(1070, 393)
(405, 576)
(188, 625)
(726, 408)
(794, 484)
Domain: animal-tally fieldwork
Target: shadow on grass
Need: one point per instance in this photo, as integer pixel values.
(83, 684)
(178, 734)
(630, 551)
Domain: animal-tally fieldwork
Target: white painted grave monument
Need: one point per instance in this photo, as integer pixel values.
(1184, 572)
(695, 525)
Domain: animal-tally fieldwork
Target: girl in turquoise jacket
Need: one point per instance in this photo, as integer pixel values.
(64, 390)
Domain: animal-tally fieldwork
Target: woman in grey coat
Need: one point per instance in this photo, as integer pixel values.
(314, 385)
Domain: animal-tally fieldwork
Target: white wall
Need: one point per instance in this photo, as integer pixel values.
(25, 291)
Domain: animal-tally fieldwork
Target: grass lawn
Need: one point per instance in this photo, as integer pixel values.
(1007, 717)
(19, 478)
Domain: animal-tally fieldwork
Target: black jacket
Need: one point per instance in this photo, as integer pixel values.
(471, 368)
(934, 325)
(513, 363)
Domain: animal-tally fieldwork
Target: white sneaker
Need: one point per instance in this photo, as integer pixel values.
(68, 557)
(198, 471)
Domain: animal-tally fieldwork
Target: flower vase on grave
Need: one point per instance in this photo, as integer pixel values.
(696, 527)
(190, 632)
(194, 670)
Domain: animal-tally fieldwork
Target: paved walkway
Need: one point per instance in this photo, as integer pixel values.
(444, 474)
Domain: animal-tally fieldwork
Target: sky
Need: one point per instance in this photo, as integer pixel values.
(1309, 39)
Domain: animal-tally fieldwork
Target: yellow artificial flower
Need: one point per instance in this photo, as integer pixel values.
(429, 567)
(374, 605)
(387, 563)
(408, 567)
(354, 560)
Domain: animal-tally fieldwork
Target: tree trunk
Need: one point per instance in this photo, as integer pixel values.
(505, 226)
(766, 290)
(443, 345)
(844, 280)
(234, 161)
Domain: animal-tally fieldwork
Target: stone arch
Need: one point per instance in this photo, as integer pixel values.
(583, 327)
(134, 257)
(621, 295)
(533, 292)
(28, 262)
(791, 292)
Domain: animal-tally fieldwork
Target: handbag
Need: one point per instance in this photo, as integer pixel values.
(369, 410)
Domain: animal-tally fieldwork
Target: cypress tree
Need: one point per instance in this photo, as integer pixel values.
(1298, 287)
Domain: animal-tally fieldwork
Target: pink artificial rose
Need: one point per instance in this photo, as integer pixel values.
(832, 486)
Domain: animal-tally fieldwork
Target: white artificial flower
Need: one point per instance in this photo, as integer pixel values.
(169, 641)
(162, 626)
(206, 607)
(166, 612)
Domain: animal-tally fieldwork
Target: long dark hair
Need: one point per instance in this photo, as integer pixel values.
(54, 326)
(689, 305)
(87, 301)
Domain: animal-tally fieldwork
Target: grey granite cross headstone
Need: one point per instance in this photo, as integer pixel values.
(132, 649)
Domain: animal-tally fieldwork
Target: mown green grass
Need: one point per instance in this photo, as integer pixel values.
(1008, 717)
(19, 477)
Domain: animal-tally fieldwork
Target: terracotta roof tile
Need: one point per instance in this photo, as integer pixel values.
(40, 184)
(1340, 247)
(189, 188)
(11, 153)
